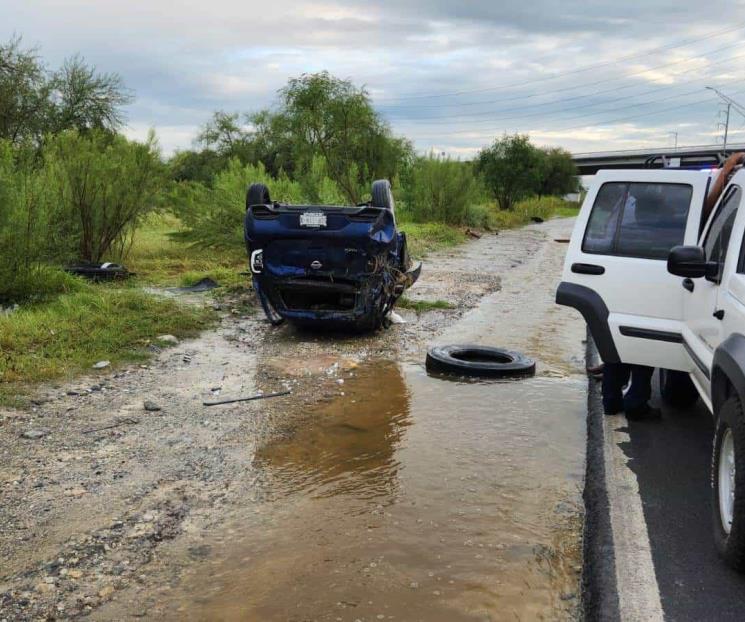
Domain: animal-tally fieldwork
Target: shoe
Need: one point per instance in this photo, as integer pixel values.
(595, 371)
(612, 410)
(644, 413)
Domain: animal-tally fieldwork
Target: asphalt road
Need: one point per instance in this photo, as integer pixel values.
(671, 461)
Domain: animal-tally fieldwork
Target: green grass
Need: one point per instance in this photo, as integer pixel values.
(423, 238)
(524, 211)
(421, 306)
(160, 258)
(58, 339)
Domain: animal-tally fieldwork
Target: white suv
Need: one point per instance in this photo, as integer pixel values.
(659, 287)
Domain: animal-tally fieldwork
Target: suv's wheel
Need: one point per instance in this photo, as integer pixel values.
(382, 196)
(677, 388)
(728, 484)
(258, 194)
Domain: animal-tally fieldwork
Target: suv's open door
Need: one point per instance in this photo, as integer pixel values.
(615, 271)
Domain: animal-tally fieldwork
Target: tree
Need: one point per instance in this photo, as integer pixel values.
(323, 115)
(86, 100)
(558, 174)
(24, 93)
(511, 168)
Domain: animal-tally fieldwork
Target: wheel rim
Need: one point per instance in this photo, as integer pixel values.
(727, 480)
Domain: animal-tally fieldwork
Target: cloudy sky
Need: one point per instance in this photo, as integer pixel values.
(449, 75)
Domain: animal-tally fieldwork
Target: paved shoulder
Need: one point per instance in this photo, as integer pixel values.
(657, 518)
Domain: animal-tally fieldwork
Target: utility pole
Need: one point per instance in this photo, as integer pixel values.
(675, 140)
(730, 103)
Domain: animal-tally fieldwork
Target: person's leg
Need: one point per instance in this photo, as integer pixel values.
(636, 401)
(615, 377)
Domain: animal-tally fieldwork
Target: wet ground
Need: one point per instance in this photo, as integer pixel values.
(372, 492)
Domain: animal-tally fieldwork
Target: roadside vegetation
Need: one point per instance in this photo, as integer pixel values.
(74, 189)
(75, 330)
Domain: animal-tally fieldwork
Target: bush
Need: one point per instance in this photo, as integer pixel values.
(214, 216)
(439, 189)
(26, 230)
(100, 187)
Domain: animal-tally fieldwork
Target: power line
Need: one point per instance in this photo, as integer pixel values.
(584, 114)
(594, 93)
(586, 125)
(450, 118)
(606, 80)
(678, 44)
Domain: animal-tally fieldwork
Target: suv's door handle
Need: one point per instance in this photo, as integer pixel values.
(719, 314)
(689, 284)
(587, 268)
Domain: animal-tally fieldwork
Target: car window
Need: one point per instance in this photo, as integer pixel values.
(638, 219)
(718, 235)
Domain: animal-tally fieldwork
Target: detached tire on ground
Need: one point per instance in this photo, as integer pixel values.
(258, 194)
(382, 195)
(483, 361)
(728, 484)
(677, 388)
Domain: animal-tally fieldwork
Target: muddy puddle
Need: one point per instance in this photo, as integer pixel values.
(410, 498)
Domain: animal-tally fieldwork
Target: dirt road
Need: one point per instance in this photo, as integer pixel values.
(371, 492)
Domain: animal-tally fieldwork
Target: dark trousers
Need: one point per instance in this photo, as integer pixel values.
(615, 378)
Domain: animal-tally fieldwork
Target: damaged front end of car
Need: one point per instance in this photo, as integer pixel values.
(327, 266)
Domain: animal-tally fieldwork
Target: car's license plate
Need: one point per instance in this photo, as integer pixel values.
(313, 219)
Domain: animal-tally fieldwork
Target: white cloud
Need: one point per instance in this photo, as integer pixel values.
(186, 60)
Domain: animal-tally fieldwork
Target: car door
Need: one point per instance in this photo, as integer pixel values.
(704, 312)
(615, 270)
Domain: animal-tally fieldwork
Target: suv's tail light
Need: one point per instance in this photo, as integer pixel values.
(366, 215)
(262, 212)
(257, 261)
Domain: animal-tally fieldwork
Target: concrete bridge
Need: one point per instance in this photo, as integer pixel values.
(697, 156)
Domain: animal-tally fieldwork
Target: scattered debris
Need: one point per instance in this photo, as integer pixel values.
(260, 396)
(395, 318)
(169, 339)
(33, 435)
(151, 406)
(536, 219)
(121, 422)
(473, 234)
(562, 240)
(101, 365)
(100, 272)
(204, 285)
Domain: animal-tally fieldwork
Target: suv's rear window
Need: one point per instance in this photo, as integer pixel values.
(636, 219)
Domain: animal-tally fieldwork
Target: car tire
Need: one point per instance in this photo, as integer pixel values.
(474, 360)
(258, 194)
(275, 319)
(677, 388)
(729, 454)
(382, 195)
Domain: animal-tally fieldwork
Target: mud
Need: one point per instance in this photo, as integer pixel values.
(373, 490)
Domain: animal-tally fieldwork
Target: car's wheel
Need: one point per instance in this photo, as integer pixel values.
(728, 484)
(470, 360)
(258, 194)
(677, 388)
(275, 319)
(382, 196)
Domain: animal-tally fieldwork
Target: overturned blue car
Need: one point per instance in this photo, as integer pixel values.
(326, 265)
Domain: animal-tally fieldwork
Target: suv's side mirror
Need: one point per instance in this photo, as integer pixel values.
(690, 262)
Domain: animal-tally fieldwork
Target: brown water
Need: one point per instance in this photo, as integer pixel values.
(417, 498)
(411, 498)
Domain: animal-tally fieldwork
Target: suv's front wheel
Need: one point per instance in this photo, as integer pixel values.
(728, 483)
